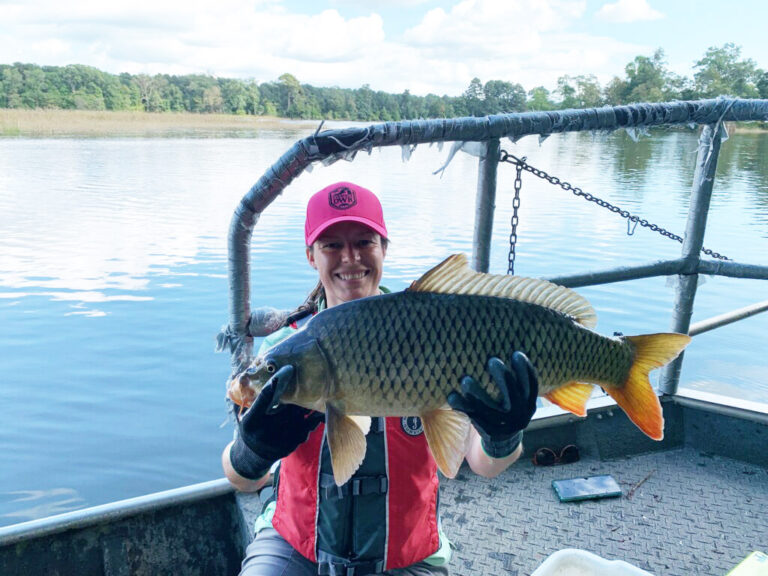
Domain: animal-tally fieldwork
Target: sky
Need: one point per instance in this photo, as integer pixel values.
(425, 46)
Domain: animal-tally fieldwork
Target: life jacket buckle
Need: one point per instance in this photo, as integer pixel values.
(334, 568)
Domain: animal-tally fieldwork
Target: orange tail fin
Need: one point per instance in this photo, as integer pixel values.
(637, 397)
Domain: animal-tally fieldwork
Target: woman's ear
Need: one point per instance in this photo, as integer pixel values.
(311, 257)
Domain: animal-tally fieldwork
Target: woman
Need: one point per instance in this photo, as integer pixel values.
(385, 519)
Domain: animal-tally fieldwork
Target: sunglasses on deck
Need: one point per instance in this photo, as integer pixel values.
(548, 457)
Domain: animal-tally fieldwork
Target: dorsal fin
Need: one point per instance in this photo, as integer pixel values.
(454, 276)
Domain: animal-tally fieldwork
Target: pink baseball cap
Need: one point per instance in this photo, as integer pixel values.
(342, 202)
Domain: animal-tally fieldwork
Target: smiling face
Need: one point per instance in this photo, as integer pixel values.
(349, 258)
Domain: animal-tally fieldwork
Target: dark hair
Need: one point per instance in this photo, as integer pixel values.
(309, 306)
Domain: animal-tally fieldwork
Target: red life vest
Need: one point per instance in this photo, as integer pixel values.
(404, 528)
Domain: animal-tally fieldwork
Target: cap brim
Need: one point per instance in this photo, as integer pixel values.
(328, 223)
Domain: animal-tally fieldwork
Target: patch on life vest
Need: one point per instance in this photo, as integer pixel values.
(412, 425)
(342, 198)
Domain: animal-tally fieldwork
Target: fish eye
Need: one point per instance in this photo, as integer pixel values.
(271, 367)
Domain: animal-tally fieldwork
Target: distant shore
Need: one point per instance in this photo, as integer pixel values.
(88, 123)
(53, 123)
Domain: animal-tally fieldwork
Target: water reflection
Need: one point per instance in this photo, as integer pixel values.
(33, 504)
(93, 221)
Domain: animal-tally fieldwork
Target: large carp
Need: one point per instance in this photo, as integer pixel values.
(401, 354)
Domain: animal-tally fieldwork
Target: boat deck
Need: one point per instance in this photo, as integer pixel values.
(682, 512)
(686, 508)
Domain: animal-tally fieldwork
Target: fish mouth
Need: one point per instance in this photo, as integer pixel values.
(244, 387)
(352, 276)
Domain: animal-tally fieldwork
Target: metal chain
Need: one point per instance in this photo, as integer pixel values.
(520, 165)
(515, 207)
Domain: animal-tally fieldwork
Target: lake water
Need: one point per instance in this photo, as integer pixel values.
(113, 280)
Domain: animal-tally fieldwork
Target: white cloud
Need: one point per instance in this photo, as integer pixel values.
(625, 11)
(490, 27)
(525, 41)
(522, 41)
(327, 37)
(379, 4)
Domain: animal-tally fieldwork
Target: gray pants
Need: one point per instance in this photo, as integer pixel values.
(270, 555)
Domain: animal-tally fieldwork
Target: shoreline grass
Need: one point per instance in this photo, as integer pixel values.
(55, 123)
(51, 123)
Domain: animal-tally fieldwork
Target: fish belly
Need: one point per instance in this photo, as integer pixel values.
(402, 354)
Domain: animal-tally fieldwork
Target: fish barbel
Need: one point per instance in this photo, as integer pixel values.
(401, 354)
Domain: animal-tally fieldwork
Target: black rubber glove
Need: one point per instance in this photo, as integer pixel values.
(500, 423)
(270, 431)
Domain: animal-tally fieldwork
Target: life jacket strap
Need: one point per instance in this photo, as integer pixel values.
(342, 568)
(377, 425)
(357, 486)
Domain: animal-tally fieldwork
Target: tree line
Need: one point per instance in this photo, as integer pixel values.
(721, 71)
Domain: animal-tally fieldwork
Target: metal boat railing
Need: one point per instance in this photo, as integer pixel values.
(329, 146)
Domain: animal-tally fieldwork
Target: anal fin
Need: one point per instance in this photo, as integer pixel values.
(447, 433)
(572, 397)
(346, 441)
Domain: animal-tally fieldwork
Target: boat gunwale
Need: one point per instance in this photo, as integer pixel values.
(113, 511)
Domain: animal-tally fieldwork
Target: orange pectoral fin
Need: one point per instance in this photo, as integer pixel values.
(572, 397)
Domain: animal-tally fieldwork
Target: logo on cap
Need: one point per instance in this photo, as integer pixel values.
(342, 198)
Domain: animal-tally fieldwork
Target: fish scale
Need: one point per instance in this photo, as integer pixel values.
(399, 354)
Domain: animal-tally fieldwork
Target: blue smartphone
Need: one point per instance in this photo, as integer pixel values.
(590, 488)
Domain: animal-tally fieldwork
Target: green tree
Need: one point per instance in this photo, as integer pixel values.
(11, 87)
(364, 103)
(720, 72)
(333, 103)
(89, 98)
(588, 91)
(762, 84)
(268, 107)
(116, 95)
(434, 106)
(253, 99)
(269, 99)
(387, 106)
(567, 92)
(196, 88)
(148, 96)
(410, 108)
(34, 92)
(679, 88)
(129, 87)
(311, 104)
(500, 96)
(80, 87)
(646, 79)
(538, 99)
(473, 98)
(292, 101)
(615, 91)
(173, 98)
(213, 103)
(234, 95)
